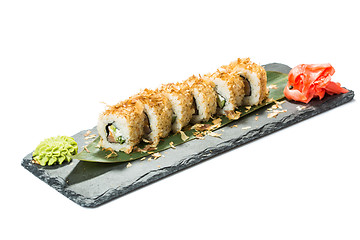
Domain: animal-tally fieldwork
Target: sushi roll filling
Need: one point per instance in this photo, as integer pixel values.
(247, 86)
(221, 101)
(173, 119)
(113, 134)
(195, 107)
(147, 129)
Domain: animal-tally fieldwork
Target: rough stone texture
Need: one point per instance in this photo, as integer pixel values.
(92, 184)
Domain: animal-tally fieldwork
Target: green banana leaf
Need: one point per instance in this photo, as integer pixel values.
(92, 153)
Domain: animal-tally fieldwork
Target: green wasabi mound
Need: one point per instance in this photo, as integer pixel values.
(55, 150)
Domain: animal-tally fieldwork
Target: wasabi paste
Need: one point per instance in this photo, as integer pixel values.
(55, 150)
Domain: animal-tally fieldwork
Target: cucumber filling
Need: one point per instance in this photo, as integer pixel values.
(221, 101)
(247, 86)
(114, 135)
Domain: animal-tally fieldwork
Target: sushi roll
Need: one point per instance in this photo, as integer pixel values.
(121, 126)
(229, 89)
(254, 78)
(182, 103)
(158, 115)
(205, 98)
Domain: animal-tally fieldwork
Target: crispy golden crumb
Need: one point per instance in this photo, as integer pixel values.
(199, 135)
(156, 155)
(87, 150)
(111, 154)
(273, 114)
(200, 126)
(137, 149)
(212, 134)
(35, 162)
(207, 127)
(129, 108)
(107, 105)
(147, 149)
(256, 118)
(143, 158)
(184, 137)
(99, 145)
(300, 108)
(234, 126)
(90, 136)
(273, 86)
(268, 100)
(217, 121)
(128, 165)
(233, 115)
(87, 133)
(172, 145)
(245, 128)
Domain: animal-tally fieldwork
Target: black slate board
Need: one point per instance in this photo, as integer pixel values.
(92, 184)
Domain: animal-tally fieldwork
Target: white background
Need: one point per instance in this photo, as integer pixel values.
(60, 59)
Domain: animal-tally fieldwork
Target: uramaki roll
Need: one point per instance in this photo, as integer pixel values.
(158, 115)
(182, 103)
(254, 78)
(230, 90)
(205, 98)
(121, 126)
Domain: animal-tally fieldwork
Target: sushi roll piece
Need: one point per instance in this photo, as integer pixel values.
(230, 91)
(121, 126)
(254, 78)
(205, 98)
(182, 103)
(158, 115)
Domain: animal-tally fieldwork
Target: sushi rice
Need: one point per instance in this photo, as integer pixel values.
(158, 115)
(151, 114)
(205, 98)
(254, 78)
(182, 103)
(118, 126)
